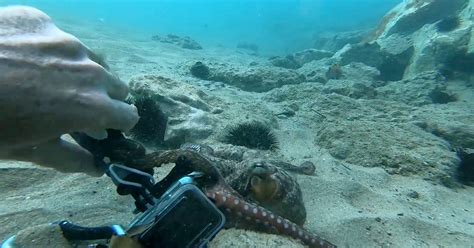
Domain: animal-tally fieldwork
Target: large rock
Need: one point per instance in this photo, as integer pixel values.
(317, 71)
(452, 122)
(439, 31)
(189, 117)
(399, 148)
(255, 79)
(418, 36)
(335, 41)
(298, 59)
(410, 16)
(287, 62)
(424, 88)
(391, 65)
(351, 88)
(309, 55)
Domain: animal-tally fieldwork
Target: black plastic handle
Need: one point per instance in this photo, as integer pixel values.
(75, 232)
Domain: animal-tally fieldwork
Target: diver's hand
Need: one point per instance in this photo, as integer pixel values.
(49, 86)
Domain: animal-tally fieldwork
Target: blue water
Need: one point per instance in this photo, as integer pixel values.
(275, 25)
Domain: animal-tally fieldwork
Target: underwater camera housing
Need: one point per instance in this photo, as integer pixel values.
(182, 217)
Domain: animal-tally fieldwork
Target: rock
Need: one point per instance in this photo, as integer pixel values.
(399, 148)
(200, 70)
(413, 194)
(184, 42)
(352, 88)
(316, 71)
(287, 62)
(416, 24)
(256, 78)
(298, 59)
(375, 132)
(466, 166)
(410, 16)
(452, 122)
(458, 134)
(425, 88)
(309, 55)
(188, 115)
(391, 65)
(448, 24)
(335, 41)
(360, 71)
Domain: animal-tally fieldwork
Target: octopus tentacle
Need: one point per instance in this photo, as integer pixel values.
(234, 205)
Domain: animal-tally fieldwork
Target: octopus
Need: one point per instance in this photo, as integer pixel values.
(263, 182)
(253, 194)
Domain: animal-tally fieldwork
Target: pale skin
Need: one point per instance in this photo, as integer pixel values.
(50, 86)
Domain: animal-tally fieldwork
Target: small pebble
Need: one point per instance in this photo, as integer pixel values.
(217, 111)
(413, 194)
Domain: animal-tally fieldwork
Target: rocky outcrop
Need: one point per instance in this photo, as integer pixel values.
(410, 16)
(424, 88)
(309, 55)
(391, 65)
(298, 59)
(371, 131)
(254, 79)
(417, 24)
(351, 88)
(287, 62)
(453, 123)
(317, 71)
(335, 41)
(399, 148)
(419, 36)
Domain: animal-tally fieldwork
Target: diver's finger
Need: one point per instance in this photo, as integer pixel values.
(60, 155)
(119, 115)
(96, 111)
(97, 134)
(116, 88)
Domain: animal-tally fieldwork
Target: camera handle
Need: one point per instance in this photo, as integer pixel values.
(138, 184)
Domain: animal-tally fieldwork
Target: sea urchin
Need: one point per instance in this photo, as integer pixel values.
(152, 124)
(252, 135)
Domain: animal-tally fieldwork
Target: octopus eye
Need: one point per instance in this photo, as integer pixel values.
(259, 164)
